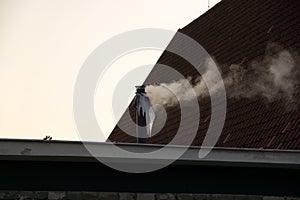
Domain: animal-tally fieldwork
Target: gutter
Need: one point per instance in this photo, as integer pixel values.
(70, 151)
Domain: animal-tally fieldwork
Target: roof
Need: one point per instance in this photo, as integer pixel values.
(236, 32)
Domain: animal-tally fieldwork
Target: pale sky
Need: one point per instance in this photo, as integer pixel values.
(45, 42)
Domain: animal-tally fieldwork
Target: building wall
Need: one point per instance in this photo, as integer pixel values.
(43, 195)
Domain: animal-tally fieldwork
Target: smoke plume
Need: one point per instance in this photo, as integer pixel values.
(272, 77)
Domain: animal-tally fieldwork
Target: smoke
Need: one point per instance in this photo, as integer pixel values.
(273, 77)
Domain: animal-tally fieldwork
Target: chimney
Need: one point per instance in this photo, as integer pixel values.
(140, 104)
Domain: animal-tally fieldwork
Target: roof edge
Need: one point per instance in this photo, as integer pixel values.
(34, 150)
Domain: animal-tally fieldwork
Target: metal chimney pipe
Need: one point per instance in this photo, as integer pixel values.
(140, 117)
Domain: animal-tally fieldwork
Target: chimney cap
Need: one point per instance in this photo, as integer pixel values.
(140, 89)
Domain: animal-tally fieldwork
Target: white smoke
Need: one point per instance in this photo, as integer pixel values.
(170, 93)
(273, 77)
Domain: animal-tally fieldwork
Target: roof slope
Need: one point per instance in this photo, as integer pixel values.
(236, 32)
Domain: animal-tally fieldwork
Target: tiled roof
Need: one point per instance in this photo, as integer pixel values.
(233, 32)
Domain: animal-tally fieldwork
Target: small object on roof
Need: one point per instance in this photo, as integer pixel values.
(145, 114)
(47, 137)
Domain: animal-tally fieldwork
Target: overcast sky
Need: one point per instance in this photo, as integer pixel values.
(45, 42)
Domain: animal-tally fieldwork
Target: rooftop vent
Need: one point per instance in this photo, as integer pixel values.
(144, 115)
